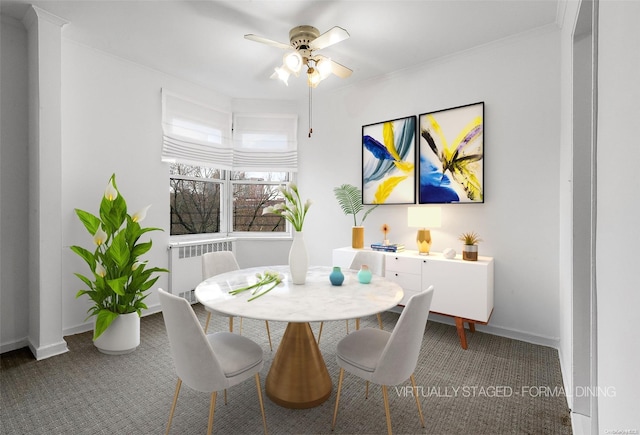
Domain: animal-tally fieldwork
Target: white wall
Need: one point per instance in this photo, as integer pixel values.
(111, 124)
(14, 182)
(618, 211)
(518, 80)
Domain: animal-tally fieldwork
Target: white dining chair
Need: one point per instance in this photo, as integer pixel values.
(376, 262)
(215, 263)
(386, 358)
(207, 362)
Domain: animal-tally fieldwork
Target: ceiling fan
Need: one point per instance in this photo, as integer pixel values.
(304, 42)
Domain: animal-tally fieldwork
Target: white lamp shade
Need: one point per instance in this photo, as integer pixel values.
(424, 217)
(293, 61)
(281, 74)
(324, 68)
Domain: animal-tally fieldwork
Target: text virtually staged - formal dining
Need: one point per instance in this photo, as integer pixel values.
(313, 217)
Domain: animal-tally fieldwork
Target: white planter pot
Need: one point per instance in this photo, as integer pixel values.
(122, 336)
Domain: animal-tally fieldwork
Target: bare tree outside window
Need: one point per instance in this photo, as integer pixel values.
(194, 199)
(252, 193)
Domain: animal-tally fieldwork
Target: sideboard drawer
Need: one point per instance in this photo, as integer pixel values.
(408, 281)
(400, 263)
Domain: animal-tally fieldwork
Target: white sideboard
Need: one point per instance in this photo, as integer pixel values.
(463, 289)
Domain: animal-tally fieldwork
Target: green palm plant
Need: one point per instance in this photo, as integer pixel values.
(119, 278)
(350, 199)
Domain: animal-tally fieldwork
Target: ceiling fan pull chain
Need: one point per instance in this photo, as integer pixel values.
(310, 112)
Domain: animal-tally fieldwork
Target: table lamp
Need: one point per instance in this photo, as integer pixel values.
(424, 218)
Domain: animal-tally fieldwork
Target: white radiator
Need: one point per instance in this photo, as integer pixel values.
(185, 264)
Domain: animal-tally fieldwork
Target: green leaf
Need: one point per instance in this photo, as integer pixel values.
(86, 255)
(119, 251)
(90, 222)
(104, 319)
(117, 285)
(85, 280)
(141, 249)
(148, 284)
(350, 199)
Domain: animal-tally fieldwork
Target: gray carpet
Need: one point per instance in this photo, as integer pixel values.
(497, 386)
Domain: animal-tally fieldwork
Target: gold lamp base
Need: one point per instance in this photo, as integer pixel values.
(424, 241)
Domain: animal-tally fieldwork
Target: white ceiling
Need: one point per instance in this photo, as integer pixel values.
(203, 41)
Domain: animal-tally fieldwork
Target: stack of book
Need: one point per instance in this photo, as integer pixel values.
(392, 247)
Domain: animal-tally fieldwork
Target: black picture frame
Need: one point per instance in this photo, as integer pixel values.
(451, 155)
(389, 161)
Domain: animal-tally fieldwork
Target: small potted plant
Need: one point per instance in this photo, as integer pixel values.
(470, 248)
(350, 199)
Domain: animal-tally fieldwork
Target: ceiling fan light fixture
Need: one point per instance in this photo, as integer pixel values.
(324, 68)
(293, 62)
(282, 74)
(313, 77)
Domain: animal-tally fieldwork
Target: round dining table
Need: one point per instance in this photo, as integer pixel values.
(298, 376)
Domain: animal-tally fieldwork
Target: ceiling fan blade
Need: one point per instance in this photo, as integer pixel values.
(340, 70)
(270, 42)
(330, 37)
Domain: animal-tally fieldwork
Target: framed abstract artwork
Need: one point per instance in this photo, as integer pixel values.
(389, 162)
(451, 155)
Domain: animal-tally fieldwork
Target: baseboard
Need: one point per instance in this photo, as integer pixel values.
(48, 351)
(503, 332)
(14, 345)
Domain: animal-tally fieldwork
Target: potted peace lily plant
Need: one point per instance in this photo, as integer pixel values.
(118, 277)
(350, 199)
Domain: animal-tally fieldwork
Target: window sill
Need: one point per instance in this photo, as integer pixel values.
(204, 238)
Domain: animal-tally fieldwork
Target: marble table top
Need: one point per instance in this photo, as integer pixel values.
(316, 300)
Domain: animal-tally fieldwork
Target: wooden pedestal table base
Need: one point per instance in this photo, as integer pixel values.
(298, 377)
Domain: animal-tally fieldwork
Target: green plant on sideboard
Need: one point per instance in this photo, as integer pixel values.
(350, 199)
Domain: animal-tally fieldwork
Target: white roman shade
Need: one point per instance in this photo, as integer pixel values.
(195, 134)
(265, 142)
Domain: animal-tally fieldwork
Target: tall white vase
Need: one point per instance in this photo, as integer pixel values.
(122, 336)
(298, 259)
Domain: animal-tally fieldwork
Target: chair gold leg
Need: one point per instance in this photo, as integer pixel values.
(335, 410)
(380, 321)
(266, 322)
(230, 324)
(240, 325)
(347, 326)
(206, 324)
(357, 324)
(264, 418)
(173, 405)
(212, 409)
(415, 394)
(385, 396)
(320, 332)
(225, 396)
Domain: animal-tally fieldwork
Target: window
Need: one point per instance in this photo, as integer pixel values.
(252, 192)
(221, 179)
(198, 206)
(195, 199)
